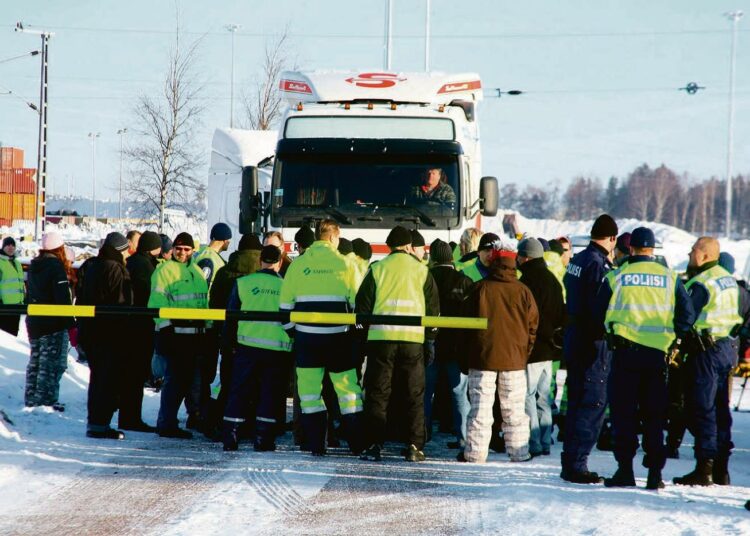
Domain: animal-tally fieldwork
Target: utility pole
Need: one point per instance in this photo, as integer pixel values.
(735, 17)
(121, 132)
(93, 136)
(233, 29)
(41, 154)
(427, 38)
(388, 34)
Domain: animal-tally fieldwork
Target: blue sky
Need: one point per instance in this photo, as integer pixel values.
(601, 76)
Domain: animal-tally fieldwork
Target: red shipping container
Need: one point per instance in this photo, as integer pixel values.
(24, 181)
(11, 158)
(6, 180)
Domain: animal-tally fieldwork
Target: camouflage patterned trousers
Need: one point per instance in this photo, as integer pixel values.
(47, 363)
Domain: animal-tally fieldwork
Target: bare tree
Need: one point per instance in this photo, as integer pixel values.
(263, 105)
(164, 158)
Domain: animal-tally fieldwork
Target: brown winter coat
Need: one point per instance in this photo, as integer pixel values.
(512, 317)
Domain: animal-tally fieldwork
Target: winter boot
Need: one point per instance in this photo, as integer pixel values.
(109, 433)
(265, 434)
(413, 454)
(580, 477)
(623, 477)
(605, 441)
(316, 426)
(372, 453)
(263, 445)
(721, 471)
(702, 475)
(654, 481)
(229, 436)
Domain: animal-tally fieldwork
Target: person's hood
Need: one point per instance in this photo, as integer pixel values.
(503, 268)
(108, 253)
(244, 261)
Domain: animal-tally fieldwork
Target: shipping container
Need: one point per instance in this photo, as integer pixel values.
(6, 206)
(11, 158)
(6, 180)
(24, 181)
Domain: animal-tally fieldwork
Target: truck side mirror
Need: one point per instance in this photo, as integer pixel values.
(249, 200)
(488, 196)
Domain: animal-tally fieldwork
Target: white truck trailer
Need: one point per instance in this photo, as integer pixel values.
(357, 148)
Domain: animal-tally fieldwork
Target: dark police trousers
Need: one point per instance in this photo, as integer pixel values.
(588, 373)
(638, 390)
(258, 370)
(707, 400)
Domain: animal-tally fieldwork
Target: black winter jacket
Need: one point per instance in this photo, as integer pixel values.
(547, 293)
(453, 287)
(140, 267)
(241, 263)
(48, 283)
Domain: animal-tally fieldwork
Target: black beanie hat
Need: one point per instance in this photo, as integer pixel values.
(486, 241)
(556, 246)
(249, 242)
(399, 236)
(183, 239)
(221, 231)
(149, 241)
(603, 227)
(8, 241)
(544, 243)
(440, 252)
(304, 237)
(417, 240)
(362, 249)
(116, 241)
(166, 243)
(345, 246)
(270, 254)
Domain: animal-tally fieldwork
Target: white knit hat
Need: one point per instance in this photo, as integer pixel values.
(52, 240)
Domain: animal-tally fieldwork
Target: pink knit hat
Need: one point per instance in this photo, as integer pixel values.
(51, 240)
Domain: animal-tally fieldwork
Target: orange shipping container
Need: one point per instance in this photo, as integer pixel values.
(6, 180)
(11, 158)
(6, 206)
(24, 181)
(29, 207)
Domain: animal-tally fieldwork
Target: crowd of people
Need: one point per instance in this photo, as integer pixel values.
(647, 350)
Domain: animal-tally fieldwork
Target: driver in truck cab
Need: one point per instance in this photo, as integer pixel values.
(434, 189)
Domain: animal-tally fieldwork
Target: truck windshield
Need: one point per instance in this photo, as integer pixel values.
(366, 190)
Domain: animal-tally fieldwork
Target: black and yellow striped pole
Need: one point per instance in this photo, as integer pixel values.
(171, 313)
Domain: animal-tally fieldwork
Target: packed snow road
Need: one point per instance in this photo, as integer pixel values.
(54, 480)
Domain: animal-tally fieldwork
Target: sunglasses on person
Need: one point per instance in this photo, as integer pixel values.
(183, 248)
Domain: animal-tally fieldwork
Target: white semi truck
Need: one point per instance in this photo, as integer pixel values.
(357, 148)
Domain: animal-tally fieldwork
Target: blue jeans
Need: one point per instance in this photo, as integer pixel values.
(538, 378)
(458, 383)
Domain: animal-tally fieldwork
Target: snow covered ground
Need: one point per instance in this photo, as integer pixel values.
(54, 480)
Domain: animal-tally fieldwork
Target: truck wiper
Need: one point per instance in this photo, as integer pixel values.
(331, 211)
(414, 210)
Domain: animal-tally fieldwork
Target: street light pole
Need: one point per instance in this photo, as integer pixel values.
(233, 29)
(93, 137)
(735, 17)
(388, 45)
(427, 38)
(121, 132)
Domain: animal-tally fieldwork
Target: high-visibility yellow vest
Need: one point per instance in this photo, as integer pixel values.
(721, 313)
(260, 292)
(555, 265)
(180, 285)
(399, 290)
(11, 281)
(642, 306)
(471, 270)
(209, 253)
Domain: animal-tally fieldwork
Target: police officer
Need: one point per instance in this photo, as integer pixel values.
(585, 353)
(644, 306)
(398, 285)
(11, 284)
(179, 283)
(262, 352)
(710, 357)
(323, 280)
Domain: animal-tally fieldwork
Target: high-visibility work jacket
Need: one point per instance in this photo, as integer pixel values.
(721, 313)
(260, 292)
(642, 306)
(180, 285)
(399, 290)
(209, 253)
(555, 265)
(11, 281)
(321, 280)
(471, 271)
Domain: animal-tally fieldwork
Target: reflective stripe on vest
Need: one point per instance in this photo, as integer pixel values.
(11, 282)
(399, 290)
(642, 305)
(721, 313)
(260, 292)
